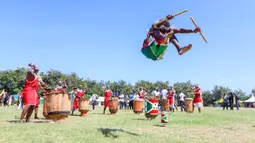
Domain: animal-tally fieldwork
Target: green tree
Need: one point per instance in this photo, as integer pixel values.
(147, 85)
(161, 85)
(184, 87)
(12, 79)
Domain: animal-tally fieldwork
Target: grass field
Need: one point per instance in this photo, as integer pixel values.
(211, 126)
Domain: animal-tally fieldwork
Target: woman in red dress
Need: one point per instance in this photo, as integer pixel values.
(107, 95)
(171, 98)
(78, 94)
(197, 101)
(30, 96)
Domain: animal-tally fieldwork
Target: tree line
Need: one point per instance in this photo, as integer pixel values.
(13, 80)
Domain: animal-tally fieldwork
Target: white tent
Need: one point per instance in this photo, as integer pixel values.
(250, 100)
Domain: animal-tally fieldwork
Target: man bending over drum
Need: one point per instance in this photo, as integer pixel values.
(30, 96)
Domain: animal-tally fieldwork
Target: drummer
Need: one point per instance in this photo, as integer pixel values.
(141, 93)
(170, 97)
(29, 92)
(197, 101)
(107, 94)
(61, 86)
(78, 94)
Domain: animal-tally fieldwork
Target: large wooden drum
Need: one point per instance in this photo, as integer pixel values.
(45, 112)
(151, 108)
(138, 106)
(165, 105)
(189, 105)
(58, 105)
(113, 105)
(84, 106)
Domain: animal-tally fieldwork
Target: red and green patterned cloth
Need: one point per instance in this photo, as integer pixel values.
(152, 50)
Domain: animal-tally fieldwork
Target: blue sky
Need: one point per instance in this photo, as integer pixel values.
(102, 39)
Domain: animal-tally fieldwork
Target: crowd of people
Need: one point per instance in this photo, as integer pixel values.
(230, 100)
(29, 99)
(126, 101)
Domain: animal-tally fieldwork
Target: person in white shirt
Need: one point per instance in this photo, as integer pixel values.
(163, 95)
(93, 100)
(121, 99)
(182, 97)
(156, 93)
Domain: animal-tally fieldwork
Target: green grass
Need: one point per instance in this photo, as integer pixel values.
(212, 125)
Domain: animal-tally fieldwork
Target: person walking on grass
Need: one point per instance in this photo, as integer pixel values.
(182, 98)
(225, 102)
(93, 101)
(231, 100)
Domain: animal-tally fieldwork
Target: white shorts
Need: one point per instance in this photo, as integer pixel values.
(198, 104)
(171, 105)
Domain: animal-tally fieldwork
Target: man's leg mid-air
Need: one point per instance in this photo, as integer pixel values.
(180, 50)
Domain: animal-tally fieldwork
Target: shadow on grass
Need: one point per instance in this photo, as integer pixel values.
(31, 121)
(99, 113)
(16, 117)
(75, 115)
(107, 132)
(159, 125)
(144, 119)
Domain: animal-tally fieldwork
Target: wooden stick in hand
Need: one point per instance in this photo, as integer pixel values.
(196, 27)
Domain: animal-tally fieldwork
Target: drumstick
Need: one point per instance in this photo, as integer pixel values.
(165, 19)
(180, 12)
(199, 32)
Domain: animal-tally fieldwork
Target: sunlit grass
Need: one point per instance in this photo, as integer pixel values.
(212, 125)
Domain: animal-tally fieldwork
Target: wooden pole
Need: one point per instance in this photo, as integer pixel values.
(196, 27)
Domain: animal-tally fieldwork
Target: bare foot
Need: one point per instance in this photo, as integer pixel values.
(185, 49)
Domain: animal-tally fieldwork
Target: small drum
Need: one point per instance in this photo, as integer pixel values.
(189, 105)
(164, 117)
(151, 108)
(113, 103)
(138, 106)
(165, 105)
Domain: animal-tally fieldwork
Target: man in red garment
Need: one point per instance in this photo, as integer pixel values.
(61, 86)
(78, 94)
(197, 101)
(170, 97)
(107, 95)
(30, 96)
(141, 93)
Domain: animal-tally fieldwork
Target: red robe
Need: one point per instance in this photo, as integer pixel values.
(30, 96)
(141, 94)
(79, 94)
(197, 97)
(107, 95)
(171, 97)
